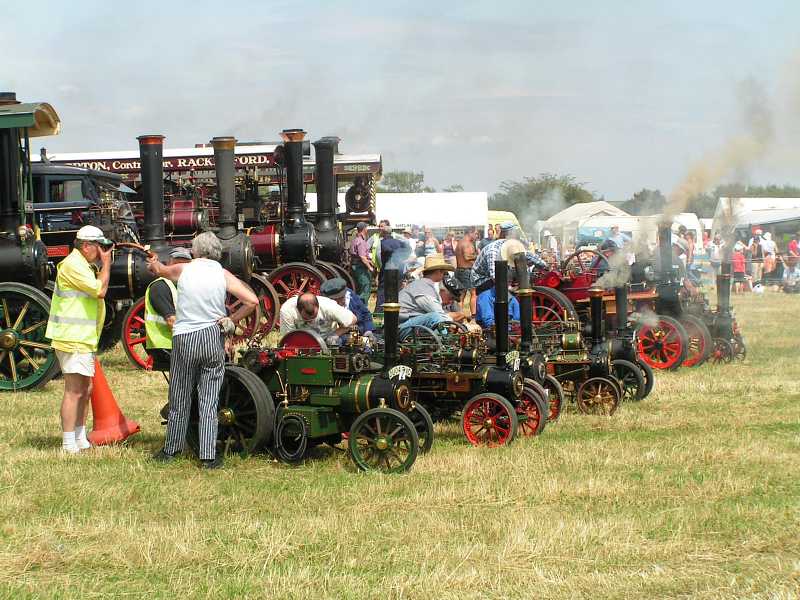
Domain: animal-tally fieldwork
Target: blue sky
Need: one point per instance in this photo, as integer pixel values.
(622, 95)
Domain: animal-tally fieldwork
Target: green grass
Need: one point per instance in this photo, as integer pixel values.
(692, 493)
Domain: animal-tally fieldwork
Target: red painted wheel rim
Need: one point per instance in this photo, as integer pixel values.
(247, 326)
(555, 405)
(300, 340)
(487, 422)
(660, 346)
(294, 281)
(546, 309)
(134, 337)
(527, 407)
(697, 345)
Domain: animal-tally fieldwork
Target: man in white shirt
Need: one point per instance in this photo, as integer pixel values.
(317, 313)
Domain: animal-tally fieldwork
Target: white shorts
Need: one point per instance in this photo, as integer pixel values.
(80, 363)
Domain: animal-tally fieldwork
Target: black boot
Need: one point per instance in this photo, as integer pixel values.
(212, 463)
(163, 456)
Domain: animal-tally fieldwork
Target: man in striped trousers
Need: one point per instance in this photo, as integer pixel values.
(197, 361)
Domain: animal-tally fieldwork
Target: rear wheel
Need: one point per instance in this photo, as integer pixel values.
(649, 377)
(134, 337)
(700, 341)
(662, 343)
(723, 352)
(423, 423)
(555, 397)
(489, 420)
(630, 378)
(293, 279)
(533, 409)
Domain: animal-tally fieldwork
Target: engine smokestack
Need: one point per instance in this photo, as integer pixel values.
(293, 156)
(596, 308)
(525, 296)
(151, 151)
(391, 316)
(724, 288)
(224, 166)
(501, 310)
(328, 234)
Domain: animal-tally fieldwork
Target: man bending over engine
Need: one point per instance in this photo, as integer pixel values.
(316, 313)
(420, 302)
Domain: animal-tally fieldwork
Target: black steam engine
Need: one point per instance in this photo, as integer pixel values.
(26, 358)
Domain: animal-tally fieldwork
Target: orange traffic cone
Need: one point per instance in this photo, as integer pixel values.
(110, 425)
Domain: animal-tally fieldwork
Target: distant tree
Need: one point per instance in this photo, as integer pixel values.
(404, 182)
(540, 197)
(456, 187)
(645, 202)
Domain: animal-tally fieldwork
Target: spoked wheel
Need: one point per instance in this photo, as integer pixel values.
(630, 378)
(584, 261)
(383, 439)
(134, 337)
(304, 340)
(26, 359)
(551, 306)
(268, 301)
(247, 327)
(293, 279)
(723, 352)
(422, 338)
(649, 377)
(344, 274)
(598, 396)
(662, 344)
(489, 420)
(555, 397)
(246, 414)
(423, 423)
(700, 341)
(290, 438)
(533, 408)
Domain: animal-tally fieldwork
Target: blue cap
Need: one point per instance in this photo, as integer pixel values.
(508, 225)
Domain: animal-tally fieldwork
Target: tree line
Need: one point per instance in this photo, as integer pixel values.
(549, 192)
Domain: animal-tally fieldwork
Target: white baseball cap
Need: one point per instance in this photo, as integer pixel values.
(90, 233)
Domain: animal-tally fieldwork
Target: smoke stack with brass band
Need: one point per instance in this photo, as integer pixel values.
(391, 316)
(596, 308)
(501, 310)
(299, 242)
(237, 249)
(151, 152)
(525, 296)
(329, 237)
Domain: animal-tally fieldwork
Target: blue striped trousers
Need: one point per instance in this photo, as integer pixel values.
(197, 368)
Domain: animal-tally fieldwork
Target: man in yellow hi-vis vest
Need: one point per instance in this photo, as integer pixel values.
(159, 313)
(77, 312)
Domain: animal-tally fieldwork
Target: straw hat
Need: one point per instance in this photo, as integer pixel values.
(509, 249)
(436, 262)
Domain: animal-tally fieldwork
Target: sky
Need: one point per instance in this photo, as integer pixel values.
(623, 95)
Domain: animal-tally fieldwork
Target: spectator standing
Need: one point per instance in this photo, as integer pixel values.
(432, 245)
(716, 249)
(393, 256)
(465, 257)
(77, 314)
(793, 248)
(490, 237)
(757, 256)
(197, 360)
(769, 250)
(739, 268)
(449, 248)
(360, 264)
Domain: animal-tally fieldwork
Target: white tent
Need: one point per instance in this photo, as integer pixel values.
(734, 213)
(436, 210)
(564, 224)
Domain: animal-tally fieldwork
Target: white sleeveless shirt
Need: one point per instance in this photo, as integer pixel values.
(201, 296)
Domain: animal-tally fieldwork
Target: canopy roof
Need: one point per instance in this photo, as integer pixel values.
(437, 209)
(39, 118)
(584, 210)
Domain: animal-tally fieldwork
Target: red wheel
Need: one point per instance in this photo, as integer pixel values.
(489, 420)
(584, 261)
(533, 407)
(293, 279)
(555, 397)
(269, 301)
(247, 327)
(551, 306)
(723, 352)
(700, 341)
(662, 344)
(133, 336)
(303, 339)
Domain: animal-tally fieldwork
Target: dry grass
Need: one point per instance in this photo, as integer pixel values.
(693, 492)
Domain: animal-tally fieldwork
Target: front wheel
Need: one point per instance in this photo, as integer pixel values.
(630, 378)
(423, 423)
(649, 377)
(533, 408)
(555, 397)
(383, 439)
(489, 420)
(662, 343)
(598, 396)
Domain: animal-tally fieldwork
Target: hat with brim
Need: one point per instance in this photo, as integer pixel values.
(436, 262)
(90, 233)
(507, 226)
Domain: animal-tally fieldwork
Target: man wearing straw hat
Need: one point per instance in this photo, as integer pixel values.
(420, 302)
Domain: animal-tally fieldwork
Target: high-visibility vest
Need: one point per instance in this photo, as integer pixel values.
(159, 334)
(74, 313)
(375, 250)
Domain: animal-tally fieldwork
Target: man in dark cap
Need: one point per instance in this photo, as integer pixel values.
(360, 263)
(336, 289)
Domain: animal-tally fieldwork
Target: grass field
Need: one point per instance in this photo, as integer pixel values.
(692, 493)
